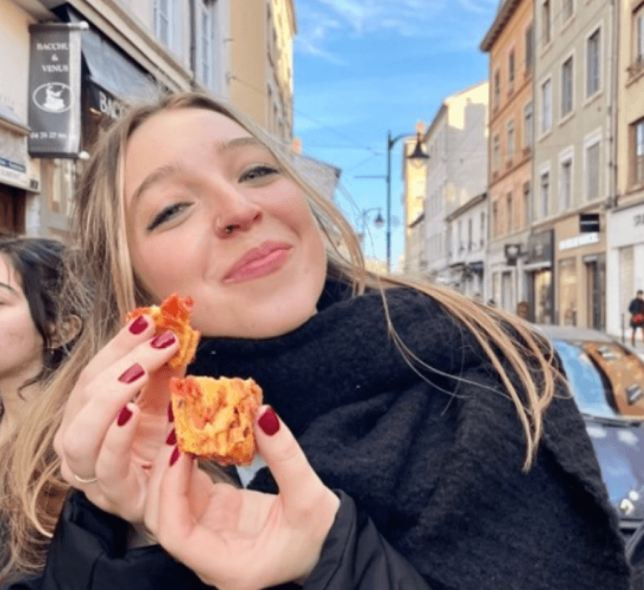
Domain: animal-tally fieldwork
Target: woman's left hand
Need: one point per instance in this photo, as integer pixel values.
(238, 539)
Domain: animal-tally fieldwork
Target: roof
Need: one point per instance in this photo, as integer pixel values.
(502, 17)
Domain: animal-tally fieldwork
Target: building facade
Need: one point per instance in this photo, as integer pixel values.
(625, 213)
(456, 172)
(511, 48)
(573, 155)
(119, 52)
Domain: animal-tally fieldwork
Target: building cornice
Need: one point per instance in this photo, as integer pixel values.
(502, 17)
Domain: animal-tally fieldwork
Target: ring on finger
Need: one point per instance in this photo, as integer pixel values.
(84, 481)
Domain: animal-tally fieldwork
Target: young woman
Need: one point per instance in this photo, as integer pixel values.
(34, 340)
(423, 439)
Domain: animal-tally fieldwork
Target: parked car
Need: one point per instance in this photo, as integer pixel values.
(607, 382)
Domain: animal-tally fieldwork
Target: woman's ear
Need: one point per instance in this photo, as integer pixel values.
(65, 331)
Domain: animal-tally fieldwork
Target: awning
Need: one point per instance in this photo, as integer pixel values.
(110, 68)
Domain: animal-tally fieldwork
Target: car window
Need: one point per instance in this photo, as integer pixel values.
(590, 390)
(620, 452)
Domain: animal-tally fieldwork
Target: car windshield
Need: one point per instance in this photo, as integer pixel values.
(620, 452)
(588, 386)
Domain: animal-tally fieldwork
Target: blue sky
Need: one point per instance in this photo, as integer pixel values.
(363, 67)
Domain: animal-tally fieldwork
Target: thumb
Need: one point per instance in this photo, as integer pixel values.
(294, 475)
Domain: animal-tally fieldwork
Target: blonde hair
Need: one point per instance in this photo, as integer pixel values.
(99, 228)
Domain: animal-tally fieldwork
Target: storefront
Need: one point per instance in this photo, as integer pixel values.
(538, 268)
(580, 273)
(17, 180)
(625, 268)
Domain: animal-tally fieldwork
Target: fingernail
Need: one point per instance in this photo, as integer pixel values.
(170, 413)
(132, 374)
(163, 340)
(172, 438)
(175, 456)
(124, 415)
(138, 325)
(268, 422)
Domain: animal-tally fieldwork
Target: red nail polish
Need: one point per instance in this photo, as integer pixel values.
(172, 438)
(170, 413)
(124, 415)
(175, 456)
(269, 422)
(138, 325)
(132, 374)
(163, 340)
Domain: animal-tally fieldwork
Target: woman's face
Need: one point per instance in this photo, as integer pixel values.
(21, 345)
(211, 215)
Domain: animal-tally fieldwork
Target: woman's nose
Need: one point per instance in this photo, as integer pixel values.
(239, 215)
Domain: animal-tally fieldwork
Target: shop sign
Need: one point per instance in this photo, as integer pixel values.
(577, 241)
(512, 252)
(540, 247)
(104, 102)
(54, 90)
(588, 222)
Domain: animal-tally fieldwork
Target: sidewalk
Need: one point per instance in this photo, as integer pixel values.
(639, 345)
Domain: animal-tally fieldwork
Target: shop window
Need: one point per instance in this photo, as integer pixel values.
(543, 297)
(637, 152)
(568, 291)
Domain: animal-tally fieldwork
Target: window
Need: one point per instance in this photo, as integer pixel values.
(511, 68)
(545, 193)
(511, 140)
(592, 171)
(566, 87)
(460, 236)
(568, 290)
(637, 151)
(546, 106)
(592, 64)
(508, 213)
(526, 204)
(528, 126)
(482, 229)
(568, 9)
(164, 23)
(546, 22)
(496, 154)
(495, 219)
(565, 184)
(470, 242)
(497, 89)
(206, 45)
(529, 48)
(639, 37)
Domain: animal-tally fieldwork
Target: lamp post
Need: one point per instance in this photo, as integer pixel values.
(418, 155)
(378, 222)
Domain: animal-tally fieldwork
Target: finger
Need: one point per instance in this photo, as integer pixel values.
(117, 479)
(171, 511)
(288, 464)
(159, 467)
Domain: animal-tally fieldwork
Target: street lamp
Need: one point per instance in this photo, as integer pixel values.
(378, 222)
(418, 155)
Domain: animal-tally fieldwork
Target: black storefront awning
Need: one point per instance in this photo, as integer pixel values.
(109, 67)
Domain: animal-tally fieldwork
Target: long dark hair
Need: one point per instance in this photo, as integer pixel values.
(39, 264)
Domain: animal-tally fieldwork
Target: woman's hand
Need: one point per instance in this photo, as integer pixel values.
(107, 443)
(239, 539)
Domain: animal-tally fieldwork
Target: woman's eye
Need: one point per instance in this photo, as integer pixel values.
(258, 172)
(167, 214)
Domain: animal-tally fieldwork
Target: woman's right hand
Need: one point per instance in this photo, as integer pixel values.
(107, 442)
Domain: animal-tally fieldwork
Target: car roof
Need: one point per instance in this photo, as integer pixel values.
(573, 333)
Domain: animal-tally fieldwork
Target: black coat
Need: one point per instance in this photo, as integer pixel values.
(636, 307)
(432, 470)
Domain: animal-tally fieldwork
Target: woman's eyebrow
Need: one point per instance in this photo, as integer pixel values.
(159, 175)
(8, 288)
(236, 143)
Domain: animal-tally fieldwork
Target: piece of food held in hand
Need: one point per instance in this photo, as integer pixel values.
(214, 417)
(173, 314)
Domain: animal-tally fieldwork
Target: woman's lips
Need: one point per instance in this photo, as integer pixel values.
(259, 262)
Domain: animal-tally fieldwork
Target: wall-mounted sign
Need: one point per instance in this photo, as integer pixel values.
(512, 252)
(577, 241)
(54, 90)
(588, 222)
(540, 247)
